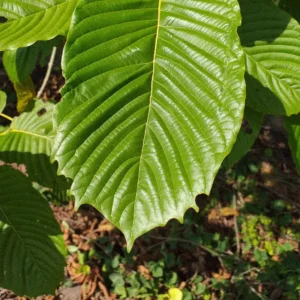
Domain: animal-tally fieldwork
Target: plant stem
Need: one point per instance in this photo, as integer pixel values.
(6, 117)
(236, 227)
(50, 65)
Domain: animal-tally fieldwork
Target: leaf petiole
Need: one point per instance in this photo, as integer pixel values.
(6, 116)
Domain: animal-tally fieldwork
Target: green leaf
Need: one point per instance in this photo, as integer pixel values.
(34, 21)
(25, 91)
(20, 63)
(261, 257)
(200, 289)
(156, 268)
(2, 101)
(246, 137)
(292, 125)
(270, 38)
(152, 105)
(292, 7)
(29, 141)
(72, 249)
(32, 248)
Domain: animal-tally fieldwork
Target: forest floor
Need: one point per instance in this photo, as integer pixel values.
(242, 244)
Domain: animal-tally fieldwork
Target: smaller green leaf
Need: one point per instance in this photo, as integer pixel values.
(25, 91)
(246, 137)
(156, 268)
(292, 125)
(200, 289)
(117, 279)
(72, 249)
(261, 257)
(270, 39)
(28, 141)
(35, 21)
(172, 278)
(2, 101)
(32, 248)
(20, 63)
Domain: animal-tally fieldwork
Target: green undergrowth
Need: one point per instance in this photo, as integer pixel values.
(200, 258)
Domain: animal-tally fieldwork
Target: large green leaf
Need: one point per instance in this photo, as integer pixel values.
(271, 41)
(153, 102)
(32, 248)
(246, 137)
(29, 141)
(31, 21)
(292, 125)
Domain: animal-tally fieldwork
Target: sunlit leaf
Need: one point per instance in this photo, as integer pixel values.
(31, 21)
(152, 105)
(2, 101)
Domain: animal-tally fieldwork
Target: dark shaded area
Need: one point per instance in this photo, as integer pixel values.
(21, 206)
(38, 168)
(262, 98)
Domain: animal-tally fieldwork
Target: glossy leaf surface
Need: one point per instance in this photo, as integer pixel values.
(31, 21)
(271, 42)
(153, 102)
(32, 248)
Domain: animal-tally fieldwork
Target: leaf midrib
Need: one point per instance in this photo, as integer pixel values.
(150, 103)
(24, 244)
(25, 132)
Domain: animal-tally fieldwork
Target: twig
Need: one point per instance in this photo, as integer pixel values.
(6, 117)
(274, 192)
(254, 291)
(248, 271)
(236, 228)
(50, 65)
(104, 290)
(170, 239)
